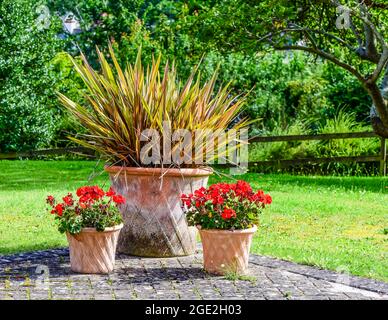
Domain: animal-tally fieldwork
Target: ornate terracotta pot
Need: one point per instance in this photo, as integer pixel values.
(226, 250)
(93, 251)
(154, 222)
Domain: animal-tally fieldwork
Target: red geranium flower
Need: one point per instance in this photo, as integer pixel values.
(200, 192)
(97, 192)
(110, 193)
(267, 199)
(50, 200)
(242, 188)
(205, 207)
(118, 199)
(68, 200)
(218, 200)
(228, 214)
(88, 193)
(81, 191)
(90, 199)
(186, 199)
(58, 209)
(86, 199)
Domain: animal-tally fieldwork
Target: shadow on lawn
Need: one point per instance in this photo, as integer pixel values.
(371, 184)
(273, 182)
(59, 175)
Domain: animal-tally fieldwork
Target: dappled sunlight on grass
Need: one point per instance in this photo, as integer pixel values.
(341, 239)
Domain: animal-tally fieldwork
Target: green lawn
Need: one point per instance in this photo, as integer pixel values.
(339, 223)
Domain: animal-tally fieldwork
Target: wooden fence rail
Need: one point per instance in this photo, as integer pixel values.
(324, 136)
(46, 152)
(381, 157)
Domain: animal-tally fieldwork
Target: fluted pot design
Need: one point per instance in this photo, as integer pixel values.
(226, 251)
(93, 251)
(154, 222)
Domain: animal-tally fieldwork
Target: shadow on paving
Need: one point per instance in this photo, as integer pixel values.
(59, 268)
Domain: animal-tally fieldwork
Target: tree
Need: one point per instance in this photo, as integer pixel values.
(28, 104)
(100, 21)
(351, 34)
(153, 24)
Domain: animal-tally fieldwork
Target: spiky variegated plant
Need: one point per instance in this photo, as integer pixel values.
(121, 103)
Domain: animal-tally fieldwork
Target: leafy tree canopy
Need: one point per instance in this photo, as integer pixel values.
(352, 34)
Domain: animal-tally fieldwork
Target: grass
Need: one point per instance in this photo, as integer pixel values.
(338, 223)
(234, 276)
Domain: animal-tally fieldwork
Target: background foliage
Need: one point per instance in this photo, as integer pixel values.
(292, 92)
(28, 108)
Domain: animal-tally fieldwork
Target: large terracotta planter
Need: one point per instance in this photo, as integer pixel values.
(226, 251)
(93, 251)
(154, 222)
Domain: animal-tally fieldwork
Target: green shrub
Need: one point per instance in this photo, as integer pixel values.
(28, 112)
(69, 82)
(344, 90)
(282, 150)
(345, 122)
(288, 87)
(342, 122)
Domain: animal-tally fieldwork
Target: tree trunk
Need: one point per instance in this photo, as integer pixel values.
(379, 109)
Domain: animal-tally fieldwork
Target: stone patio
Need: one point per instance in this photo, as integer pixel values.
(47, 275)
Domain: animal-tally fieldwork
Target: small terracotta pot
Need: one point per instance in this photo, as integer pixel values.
(226, 251)
(93, 251)
(154, 222)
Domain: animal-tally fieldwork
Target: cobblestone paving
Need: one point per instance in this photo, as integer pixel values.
(47, 275)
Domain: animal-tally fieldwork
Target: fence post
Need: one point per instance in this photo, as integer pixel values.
(383, 157)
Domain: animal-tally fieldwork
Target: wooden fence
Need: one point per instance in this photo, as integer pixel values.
(381, 157)
(46, 152)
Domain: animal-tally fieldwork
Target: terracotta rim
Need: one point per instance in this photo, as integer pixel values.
(109, 229)
(250, 230)
(171, 172)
